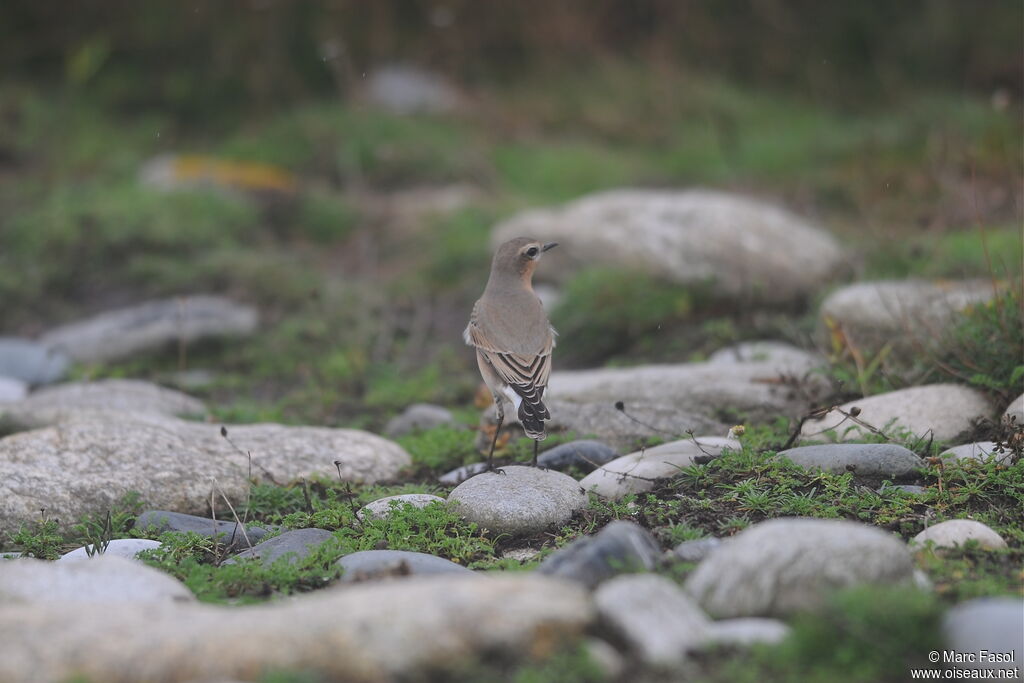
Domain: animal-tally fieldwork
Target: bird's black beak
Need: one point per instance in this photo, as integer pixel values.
(549, 245)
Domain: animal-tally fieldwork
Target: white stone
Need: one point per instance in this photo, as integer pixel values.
(127, 548)
(747, 631)
(992, 624)
(382, 507)
(1016, 410)
(12, 390)
(106, 580)
(940, 411)
(980, 451)
(956, 532)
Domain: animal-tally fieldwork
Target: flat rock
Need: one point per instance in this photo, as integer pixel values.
(119, 547)
(298, 544)
(957, 532)
(106, 579)
(523, 500)
(904, 314)
(151, 326)
(736, 246)
(583, 453)
(639, 471)
(418, 417)
(82, 466)
(904, 488)
(656, 619)
(695, 550)
(382, 507)
(53, 404)
(12, 390)
(943, 411)
(406, 89)
(370, 565)
(992, 624)
(1016, 410)
(879, 460)
(784, 357)
(747, 631)
(461, 474)
(782, 566)
(619, 547)
(232, 534)
(979, 451)
(355, 633)
(31, 362)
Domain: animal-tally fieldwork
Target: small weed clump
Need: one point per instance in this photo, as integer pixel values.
(40, 539)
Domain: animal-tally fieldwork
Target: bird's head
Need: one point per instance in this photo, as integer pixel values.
(519, 256)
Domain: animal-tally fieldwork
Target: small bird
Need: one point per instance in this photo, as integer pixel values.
(513, 338)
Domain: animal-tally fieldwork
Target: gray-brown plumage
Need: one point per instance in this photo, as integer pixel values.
(513, 338)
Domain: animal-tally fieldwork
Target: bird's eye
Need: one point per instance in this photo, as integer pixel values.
(532, 251)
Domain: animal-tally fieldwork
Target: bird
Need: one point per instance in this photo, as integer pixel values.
(514, 339)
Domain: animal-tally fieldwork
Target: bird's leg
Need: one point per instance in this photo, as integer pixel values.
(536, 445)
(494, 441)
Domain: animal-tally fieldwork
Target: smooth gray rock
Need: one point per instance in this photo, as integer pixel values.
(902, 314)
(418, 417)
(461, 474)
(12, 390)
(367, 632)
(957, 532)
(738, 247)
(299, 544)
(942, 411)
(382, 507)
(784, 357)
(1016, 410)
(31, 362)
(127, 548)
(523, 500)
(619, 547)
(696, 550)
(53, 404)
(103, 580)
(747, 631)
(228, 533)
(86, 463)
(905, 488)
(653, 616)
(370, 565)
(979, 451)
(582, 453)
(406, 89)
(992, 624)
(639, 471)
(879, 460)
(150, 326)
(782, 566)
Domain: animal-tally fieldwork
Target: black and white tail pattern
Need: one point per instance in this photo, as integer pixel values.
(532, 412)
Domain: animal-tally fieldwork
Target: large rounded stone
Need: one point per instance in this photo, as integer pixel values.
(63, 401)
(103, 579)
(296, 545)
(619, 547)
(957, 532)
(783, 566)
(354, 633)
(118, 547)
(230, 533)
(940, 411)
(785, 357)
(737, 246)
(151, 325)
(84, 465)
(863, 459)
(995, 625)
(381, 564)
(638, 472)
(382, 507)
(523, 500)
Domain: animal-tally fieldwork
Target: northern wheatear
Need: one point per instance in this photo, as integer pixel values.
(513, 338)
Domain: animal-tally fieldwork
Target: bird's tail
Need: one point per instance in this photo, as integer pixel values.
(532, 415)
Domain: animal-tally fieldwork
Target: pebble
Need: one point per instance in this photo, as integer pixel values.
(118, 547)
(228, 533)
(150, 326)
(939, 411)
(461, 474)
(876, 460)
(639, 471)
(979, 451)
(103, 580)
(782, 566)
(658, 622)
(298, 544)
(696, 550)
(619, 547)
(368, 565)
(583, 453)
(418, 417)
(523, 500)
(905, 488)
(520, 554)
(995, 624)
(31, 362)
(12, 389)
(957, 532)
(383, 507)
